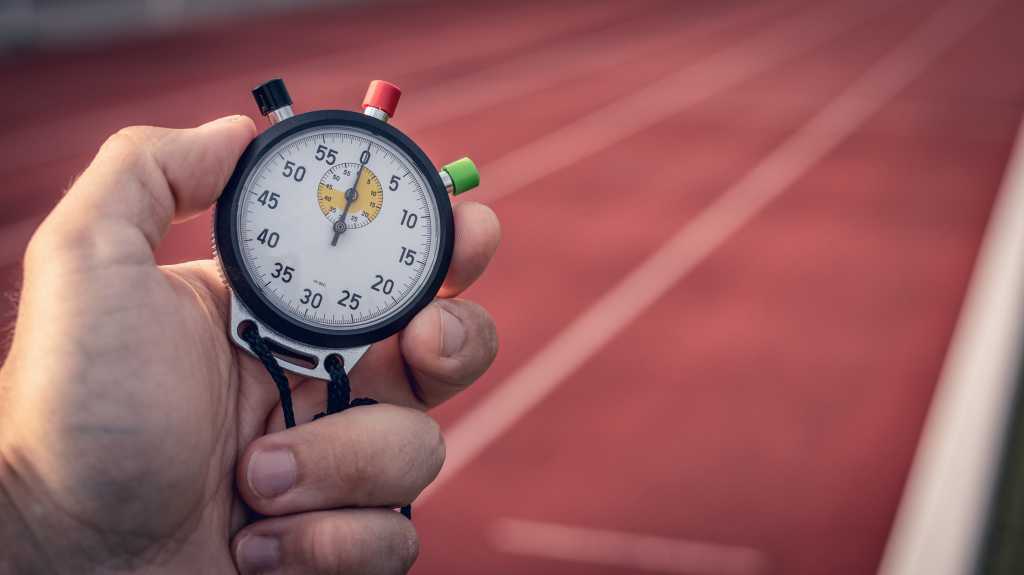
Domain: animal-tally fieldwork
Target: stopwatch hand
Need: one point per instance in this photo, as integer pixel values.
(350, 196)
(340, 226)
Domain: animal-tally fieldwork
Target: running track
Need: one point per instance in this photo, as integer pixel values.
(737, 236)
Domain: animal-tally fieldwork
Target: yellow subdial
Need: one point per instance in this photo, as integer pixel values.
(368, 200)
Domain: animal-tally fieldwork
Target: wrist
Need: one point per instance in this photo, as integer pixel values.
(39, 536)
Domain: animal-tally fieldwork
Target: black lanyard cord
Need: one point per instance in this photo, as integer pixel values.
(259, 347)
(339, 390)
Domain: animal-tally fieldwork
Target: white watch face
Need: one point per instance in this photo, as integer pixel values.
(338, 229)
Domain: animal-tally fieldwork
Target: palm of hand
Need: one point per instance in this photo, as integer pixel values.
(186, 403)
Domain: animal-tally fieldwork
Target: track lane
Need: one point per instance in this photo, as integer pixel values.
(845, 391)
(697, 151)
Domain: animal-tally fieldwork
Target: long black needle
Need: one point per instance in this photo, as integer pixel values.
(340, 226)
(351, 195)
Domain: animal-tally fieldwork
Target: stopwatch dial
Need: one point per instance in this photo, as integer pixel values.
(363, 200)
(334, 274)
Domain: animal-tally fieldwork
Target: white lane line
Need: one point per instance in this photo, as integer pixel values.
(666, 98)
(941, 522)
(448, 101)
(631, 551)
(637, 292)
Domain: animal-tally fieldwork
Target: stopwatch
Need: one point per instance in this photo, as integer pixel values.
(334, 230)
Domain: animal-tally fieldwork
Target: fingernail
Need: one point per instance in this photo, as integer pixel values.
(453, 334)
(258, 554)
(272, 472)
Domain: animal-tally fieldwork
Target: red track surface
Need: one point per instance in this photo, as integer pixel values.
(772, 399)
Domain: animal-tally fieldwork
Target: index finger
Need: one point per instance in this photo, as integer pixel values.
(477, 235)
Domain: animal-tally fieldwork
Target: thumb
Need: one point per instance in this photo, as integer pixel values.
(144, 177)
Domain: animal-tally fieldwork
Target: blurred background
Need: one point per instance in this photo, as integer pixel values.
(759, 290)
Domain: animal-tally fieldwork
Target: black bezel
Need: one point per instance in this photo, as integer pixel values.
(229, 251)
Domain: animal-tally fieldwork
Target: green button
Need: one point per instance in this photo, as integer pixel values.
(463, 174)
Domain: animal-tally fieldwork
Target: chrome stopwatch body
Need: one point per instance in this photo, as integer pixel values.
(295, 356)
(334, 230)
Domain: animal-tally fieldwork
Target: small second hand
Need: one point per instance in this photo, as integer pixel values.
(350, 196)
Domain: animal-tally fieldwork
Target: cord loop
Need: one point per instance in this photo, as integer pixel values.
(339, 389)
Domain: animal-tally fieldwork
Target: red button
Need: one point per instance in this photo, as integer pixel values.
(382, 95)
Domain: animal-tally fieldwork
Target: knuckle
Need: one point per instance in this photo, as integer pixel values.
(406, 546)
(485, 336)
(134, 148)
(323, 542)
(60, 244)
(343, 546)
(425, 446)
(136, 137)
(435, 448)
(354, 467)
(489, 336)
(478, 314)
(127, 143)
(491, 218)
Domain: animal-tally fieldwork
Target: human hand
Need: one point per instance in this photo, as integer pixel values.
(135, 437)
